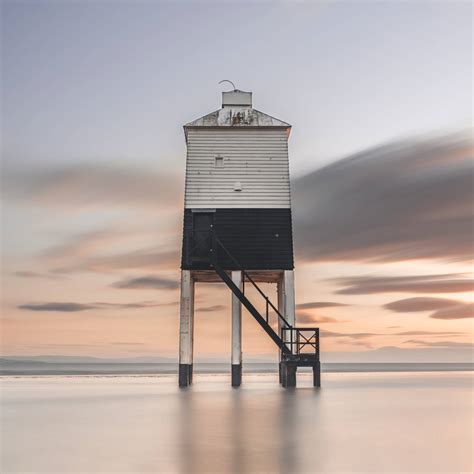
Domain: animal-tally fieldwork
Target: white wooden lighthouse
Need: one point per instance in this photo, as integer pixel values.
(237, 230)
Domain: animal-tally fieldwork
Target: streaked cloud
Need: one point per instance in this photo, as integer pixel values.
(410, 199)
(84, 243)
(141, 259)
(364, 335)
(59, 307)
(420, 303)
(443, 308)
(429, 333)
(365, 285)
(352, 335)
(127, 343)
(304, 317)
(94, 185)
(147, 282)
(210, 309)
(68, 307)
(460, 311)
(142, 304)
(31, 274)
(365, 344)
(441, 344)
(318, 304)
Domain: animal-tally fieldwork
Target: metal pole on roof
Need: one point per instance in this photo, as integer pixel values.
(230, 82)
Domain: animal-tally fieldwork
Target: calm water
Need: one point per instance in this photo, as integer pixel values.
(399, 422)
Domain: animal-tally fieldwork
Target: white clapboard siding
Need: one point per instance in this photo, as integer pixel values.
(255, 157)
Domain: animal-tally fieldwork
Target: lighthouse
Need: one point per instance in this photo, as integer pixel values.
(237, 230)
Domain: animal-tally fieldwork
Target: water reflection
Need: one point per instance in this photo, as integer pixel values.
(415, 422)
(249, 431)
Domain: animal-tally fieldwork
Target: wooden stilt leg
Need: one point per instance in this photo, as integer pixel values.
(186, 329)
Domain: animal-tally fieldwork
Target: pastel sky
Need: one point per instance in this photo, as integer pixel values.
(94, 96)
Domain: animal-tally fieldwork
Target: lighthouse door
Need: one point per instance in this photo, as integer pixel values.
(202, 240)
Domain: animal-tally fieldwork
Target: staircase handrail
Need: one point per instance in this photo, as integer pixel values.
(216, 239)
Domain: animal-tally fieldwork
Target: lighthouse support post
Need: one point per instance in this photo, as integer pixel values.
(186, 329)
(286, 306)
(281, 310)
(236, 358)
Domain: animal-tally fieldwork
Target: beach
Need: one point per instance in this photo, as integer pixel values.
(357, 422)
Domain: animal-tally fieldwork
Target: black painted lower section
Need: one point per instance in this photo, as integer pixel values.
(317, 375)
(259, 239)
(282, 374)
(185, 375)
(290, 378)
(236, 375)
(288, 371)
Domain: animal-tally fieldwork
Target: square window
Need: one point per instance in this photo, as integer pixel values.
(219, 162)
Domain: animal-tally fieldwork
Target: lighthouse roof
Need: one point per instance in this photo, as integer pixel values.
(237, 111)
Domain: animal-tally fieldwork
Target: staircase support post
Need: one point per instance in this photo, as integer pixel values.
(317, 374)
(186, 329)
(289, 296)
(283, 373)
(290, 375)
(236, 358)
(281, 309)
(286, 304)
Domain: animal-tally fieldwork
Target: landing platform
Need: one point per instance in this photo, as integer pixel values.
(301, 360)
(259, 276)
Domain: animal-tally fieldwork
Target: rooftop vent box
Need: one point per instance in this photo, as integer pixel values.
(236, 98)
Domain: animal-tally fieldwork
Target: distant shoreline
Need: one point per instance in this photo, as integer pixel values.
(19, 368)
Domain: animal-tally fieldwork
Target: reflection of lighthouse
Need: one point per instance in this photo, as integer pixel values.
(237, 227)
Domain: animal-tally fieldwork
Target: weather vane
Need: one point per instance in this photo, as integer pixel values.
(230, 82)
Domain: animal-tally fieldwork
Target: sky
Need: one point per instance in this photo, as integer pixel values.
(94, 96)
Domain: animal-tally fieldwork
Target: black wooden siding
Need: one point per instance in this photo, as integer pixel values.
(259, 239)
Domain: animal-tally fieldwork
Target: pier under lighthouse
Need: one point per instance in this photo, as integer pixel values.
(237, 230)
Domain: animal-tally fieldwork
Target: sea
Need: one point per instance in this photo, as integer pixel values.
(363, 421)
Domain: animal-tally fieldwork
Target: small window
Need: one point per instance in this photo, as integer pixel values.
(219, 162)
